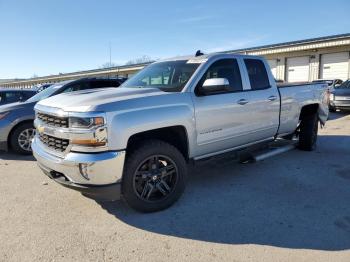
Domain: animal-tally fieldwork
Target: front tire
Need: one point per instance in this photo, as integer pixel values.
(308, 132)
(21, 139)
(154, 176)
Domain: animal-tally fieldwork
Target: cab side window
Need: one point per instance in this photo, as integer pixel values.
(224, 68)
(257, 74)
(12, 97)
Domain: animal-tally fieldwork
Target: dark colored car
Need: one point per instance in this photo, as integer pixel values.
(340, 97)
(16, 119)
(42, 87)
(8, 96)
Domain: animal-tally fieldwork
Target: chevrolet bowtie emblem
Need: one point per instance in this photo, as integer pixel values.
(41, 129)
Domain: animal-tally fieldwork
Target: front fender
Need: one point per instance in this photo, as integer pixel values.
(126, 124)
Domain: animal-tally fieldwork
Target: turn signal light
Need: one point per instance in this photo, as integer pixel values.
(88, 142)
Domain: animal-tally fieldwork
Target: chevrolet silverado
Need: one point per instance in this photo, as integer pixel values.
(136, 141)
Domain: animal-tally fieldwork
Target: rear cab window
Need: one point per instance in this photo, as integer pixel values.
(257, 74)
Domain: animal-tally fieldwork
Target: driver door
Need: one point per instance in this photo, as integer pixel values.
(221, 119)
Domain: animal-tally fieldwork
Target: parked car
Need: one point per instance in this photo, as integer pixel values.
(138, 139)
(42, 87)
(340, 97)
(332, 83)
(8, 96)
(16, 120)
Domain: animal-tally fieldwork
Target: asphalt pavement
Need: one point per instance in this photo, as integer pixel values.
(292, 207)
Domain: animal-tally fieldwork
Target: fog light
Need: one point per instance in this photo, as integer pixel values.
(83, 168)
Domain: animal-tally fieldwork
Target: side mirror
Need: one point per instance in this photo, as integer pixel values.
(215, 86)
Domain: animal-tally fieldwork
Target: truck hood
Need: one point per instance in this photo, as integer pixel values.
(17, 105)
(341, 91)
(89, 100)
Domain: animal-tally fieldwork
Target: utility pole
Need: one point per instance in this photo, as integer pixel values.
(110, 54)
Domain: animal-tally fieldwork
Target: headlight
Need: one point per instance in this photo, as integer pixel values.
(331, 96)
(85, 122)
(96, 124)
(4, 114)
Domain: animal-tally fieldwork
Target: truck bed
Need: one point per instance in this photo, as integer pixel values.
(296, 84)
(294, 97)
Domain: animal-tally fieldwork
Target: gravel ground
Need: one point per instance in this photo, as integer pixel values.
(293, 207)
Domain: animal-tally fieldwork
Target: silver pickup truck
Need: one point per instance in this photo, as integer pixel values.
(136, 141)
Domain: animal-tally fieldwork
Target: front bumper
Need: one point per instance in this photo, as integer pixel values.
(341, 104)
(97, 175)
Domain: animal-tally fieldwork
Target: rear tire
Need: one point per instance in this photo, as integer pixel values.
(154, 176)
(308, 132)
(20, 139)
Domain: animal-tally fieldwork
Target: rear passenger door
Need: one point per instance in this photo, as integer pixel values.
(263, 101)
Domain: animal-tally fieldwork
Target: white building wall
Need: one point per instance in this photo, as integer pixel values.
(315, 57)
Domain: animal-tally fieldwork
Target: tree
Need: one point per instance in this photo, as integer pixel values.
(140, 60)
(108, 65)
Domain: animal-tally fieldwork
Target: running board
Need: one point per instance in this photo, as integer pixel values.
(273, 151)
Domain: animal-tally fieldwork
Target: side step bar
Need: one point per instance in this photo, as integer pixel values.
(273, 151)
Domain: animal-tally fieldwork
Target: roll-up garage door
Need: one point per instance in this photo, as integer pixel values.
(273, 66)
(335, 65)
(298, 69)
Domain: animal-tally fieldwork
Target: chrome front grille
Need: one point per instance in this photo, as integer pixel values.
(51, 120)
(342, 98)
(57, 144)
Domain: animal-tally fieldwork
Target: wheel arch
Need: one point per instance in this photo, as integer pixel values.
(308, 110)
(174, 135)
(30, 121)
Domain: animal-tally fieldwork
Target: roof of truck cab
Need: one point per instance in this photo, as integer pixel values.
(204, 57)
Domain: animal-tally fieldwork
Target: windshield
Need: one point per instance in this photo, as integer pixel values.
(345, 84)
(169, 76)
(45, 93)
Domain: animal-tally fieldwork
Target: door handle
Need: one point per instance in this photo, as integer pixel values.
(242, 101)
(272, 98)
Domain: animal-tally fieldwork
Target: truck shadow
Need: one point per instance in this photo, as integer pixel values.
(338, 114)
(12, 156)
(295, 200)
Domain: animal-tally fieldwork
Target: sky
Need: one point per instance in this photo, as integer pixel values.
(43, 37)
